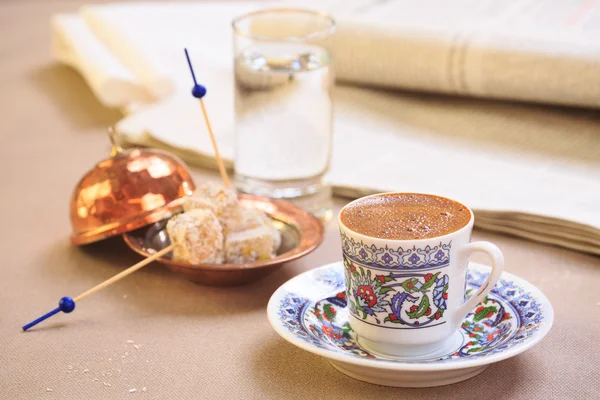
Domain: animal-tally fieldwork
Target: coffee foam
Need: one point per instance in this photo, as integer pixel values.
(405, 216)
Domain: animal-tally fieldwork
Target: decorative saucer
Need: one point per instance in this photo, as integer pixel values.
(310, 312)
(300, 231)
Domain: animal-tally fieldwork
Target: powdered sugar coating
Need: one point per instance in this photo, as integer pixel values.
(197, 237)
(221, 201)
(249, 245)
(244, 218)
(253, 235)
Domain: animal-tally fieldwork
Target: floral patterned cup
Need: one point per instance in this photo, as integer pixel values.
(407, 297)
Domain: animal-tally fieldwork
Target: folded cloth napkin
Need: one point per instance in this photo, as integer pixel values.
(526, 170)
(74, 43)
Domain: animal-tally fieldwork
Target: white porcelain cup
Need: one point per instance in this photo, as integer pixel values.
(407, 297)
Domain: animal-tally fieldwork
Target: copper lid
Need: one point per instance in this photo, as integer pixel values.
(131, 189)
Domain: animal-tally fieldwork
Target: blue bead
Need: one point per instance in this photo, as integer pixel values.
(198, 91)
(66, 304)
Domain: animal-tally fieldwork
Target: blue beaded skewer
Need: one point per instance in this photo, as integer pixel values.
(199, 91)
(67, 304)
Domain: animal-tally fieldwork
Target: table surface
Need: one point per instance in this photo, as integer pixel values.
(196, 341)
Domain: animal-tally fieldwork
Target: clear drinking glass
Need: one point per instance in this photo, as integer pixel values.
(283, 105)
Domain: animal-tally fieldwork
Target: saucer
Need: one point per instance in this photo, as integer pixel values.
(310, 312)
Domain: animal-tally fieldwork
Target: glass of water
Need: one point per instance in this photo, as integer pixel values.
(283, 106)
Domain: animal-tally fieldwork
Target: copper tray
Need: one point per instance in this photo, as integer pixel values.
(301, 233)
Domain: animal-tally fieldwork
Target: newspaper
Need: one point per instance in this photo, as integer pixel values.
(524, 50)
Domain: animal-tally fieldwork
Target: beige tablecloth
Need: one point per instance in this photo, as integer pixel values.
(194, 342)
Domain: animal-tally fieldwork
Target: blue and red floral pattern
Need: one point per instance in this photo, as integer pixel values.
(508, 316)
(398, 300)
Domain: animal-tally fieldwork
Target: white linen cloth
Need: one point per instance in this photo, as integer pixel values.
(529, 171)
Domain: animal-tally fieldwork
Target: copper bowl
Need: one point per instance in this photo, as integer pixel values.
(131, 189)
(301, 233)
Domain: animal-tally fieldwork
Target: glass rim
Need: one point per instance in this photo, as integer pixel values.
(327, 31)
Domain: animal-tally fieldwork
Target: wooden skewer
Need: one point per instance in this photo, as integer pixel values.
(67, 304)
(220, 163)
(199, 91)
(123, 274)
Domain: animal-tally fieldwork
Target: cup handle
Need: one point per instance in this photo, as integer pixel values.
(497, 267)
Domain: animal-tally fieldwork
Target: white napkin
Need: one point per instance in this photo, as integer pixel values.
(529, 171)
(75, 44)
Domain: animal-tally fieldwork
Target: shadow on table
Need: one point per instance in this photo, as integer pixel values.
(152, 290)
(286, 371)
(70, 93)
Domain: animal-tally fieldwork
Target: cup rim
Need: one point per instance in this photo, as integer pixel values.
(469, 224)
(328, 31)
